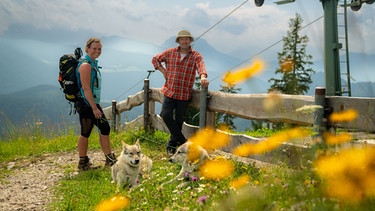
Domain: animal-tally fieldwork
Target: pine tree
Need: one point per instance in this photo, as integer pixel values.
(296, 77)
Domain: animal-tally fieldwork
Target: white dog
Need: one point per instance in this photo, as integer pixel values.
(129, 165)
(189, 168)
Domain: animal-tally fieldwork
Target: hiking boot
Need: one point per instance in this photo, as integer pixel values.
(110, 159)
(84, 164)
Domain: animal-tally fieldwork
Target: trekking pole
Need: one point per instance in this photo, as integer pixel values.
(149, 73)
(148, 76)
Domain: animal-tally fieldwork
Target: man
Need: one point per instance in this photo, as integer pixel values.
(181, 64)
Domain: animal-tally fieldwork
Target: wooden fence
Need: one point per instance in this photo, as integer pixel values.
(253, 107)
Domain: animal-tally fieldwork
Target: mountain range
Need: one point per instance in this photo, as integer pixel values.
(29, 68)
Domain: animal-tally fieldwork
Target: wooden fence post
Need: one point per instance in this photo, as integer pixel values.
(146, 112)
(319, 125)
(203, 107)
(114, 114)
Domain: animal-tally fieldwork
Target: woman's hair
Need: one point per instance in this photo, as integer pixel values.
(90, 41)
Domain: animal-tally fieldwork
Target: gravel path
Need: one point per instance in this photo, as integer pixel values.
(30, 184)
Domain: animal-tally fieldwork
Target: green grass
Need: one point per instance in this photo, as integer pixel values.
(270, 187)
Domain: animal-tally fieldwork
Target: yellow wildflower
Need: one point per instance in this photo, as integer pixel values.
(113, 204)
(287, 65)
(272, 100)
(240, 182)
(193, 153)
(210, 139)
(216, 169)
(331, 139)
(344, 116)
(349, 175)
(243, 74)
(223, 127)
(269, 144)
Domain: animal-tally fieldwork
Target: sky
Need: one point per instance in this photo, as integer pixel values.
(235, 27)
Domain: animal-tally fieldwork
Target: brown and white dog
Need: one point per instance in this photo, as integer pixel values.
(129, 165)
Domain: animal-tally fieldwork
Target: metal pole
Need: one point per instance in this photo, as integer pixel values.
(347, 49)
(331, 48)
(203, 107)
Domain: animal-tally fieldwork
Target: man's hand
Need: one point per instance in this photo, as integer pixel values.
(204, 81)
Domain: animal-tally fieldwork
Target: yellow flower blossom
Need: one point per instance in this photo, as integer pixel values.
(223, 127)
(331, 139)
(216, 169)
(193, 153)
(287, 65)
(113, 204)
(240, 182)
(210, 139)
(272, 100)
(344, 116)
(269, 144)
(243, 74)
(349, 175)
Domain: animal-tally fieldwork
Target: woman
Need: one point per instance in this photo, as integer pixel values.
(90, 112)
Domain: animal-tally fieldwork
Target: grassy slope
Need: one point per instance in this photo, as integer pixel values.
(269, 188)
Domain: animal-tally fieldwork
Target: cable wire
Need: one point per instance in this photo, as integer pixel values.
(128, 89)
(272, 45)
(221, 20)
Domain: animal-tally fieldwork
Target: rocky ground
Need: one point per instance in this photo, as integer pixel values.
(30, 184)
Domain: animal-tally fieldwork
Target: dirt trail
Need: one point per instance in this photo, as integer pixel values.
(30, 185)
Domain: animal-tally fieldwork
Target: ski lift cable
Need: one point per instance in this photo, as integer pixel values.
(230, 13)
(221, 20)
(260, 52)
(129, 89)
(195, 41)
(272, 45)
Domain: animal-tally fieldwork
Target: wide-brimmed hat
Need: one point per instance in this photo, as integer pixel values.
(184, 33)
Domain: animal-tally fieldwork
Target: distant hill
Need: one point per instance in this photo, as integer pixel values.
(29, 63)
(44, 103)
(29, 68)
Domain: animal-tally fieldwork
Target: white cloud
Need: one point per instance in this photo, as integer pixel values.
(249, 27)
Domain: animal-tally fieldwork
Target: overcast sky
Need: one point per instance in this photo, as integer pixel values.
(248, 27)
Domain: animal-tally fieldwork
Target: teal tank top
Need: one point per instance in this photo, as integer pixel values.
(95, 81)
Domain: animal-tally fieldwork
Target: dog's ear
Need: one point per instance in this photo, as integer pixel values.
(203, 156)
(124, 145)
(137, 142)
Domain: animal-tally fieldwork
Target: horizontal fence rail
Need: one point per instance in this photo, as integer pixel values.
(250, 106)
(253, 107)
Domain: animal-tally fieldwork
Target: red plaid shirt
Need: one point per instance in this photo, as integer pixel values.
(180, 74)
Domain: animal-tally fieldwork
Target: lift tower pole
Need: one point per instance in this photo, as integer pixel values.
(331, 41)
(331, 48)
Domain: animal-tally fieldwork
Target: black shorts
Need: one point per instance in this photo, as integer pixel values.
(87, 120)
